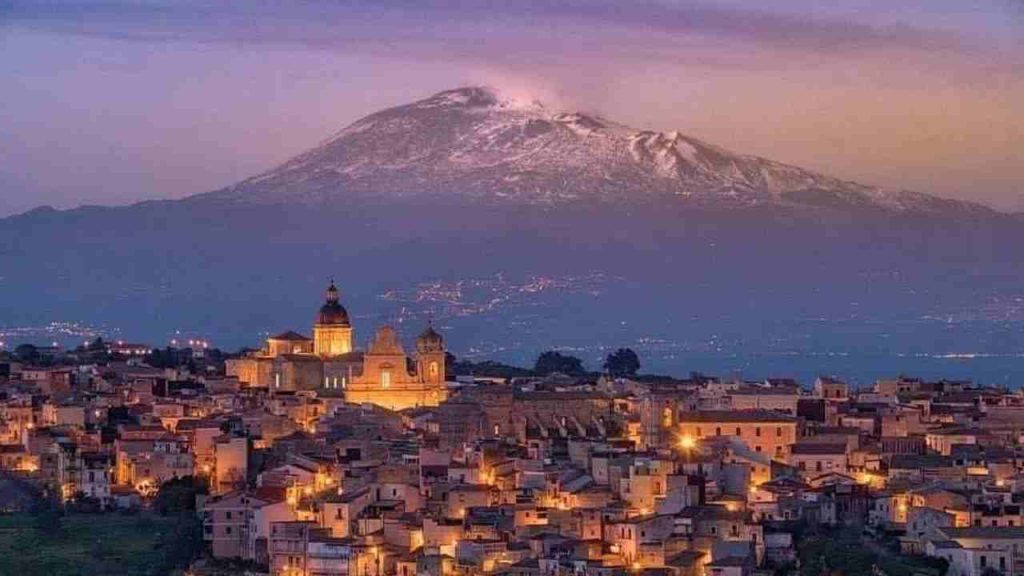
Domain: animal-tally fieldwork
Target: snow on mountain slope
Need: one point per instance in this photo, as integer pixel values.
(472, 143)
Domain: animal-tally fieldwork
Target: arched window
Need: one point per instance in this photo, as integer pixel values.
(433, 369)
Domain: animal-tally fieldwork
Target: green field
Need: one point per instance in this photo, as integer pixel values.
(94, 544)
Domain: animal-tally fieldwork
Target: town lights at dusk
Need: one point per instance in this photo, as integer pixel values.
(587, 288)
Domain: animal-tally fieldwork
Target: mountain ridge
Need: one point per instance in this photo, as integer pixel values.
(465, 186)
(477, 145)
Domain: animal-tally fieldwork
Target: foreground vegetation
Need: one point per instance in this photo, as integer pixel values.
(845, 552)
(52, 544)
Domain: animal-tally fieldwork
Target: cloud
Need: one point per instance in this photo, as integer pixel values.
(581, 38)
(480, 24)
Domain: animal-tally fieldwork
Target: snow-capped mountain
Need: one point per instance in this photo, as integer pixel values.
(700, 250)
(473, 143)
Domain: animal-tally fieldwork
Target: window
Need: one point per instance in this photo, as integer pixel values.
(433, 370)
(778, 431)
(757, 432)
(718, 431)
(738, 432)
(757, 448)
(385, 379)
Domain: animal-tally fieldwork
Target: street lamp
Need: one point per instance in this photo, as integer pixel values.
(687, 442)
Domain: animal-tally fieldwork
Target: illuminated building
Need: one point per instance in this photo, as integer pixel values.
(230, 466)
(766, 435)
(765, 432)
(330, 365)
(332, 332)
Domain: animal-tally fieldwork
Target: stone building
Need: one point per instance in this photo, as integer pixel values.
(330, 365)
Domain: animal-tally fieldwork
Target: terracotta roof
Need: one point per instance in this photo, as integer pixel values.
(735, 416)
(818, 449)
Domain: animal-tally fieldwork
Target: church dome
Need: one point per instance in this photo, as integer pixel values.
(429, 340)
(332, 312)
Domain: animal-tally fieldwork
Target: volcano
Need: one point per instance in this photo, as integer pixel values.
(518, 228)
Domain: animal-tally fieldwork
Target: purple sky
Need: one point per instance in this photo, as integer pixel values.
(124, 101)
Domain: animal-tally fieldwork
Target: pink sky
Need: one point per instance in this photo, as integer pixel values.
(142, 100)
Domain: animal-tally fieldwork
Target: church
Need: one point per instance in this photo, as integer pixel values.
(331, 366)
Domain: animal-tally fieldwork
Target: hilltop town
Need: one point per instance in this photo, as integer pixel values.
(310, 456)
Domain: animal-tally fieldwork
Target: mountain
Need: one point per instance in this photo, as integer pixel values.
(518, 229)
(476, 145)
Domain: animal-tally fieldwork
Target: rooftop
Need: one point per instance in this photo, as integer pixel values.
(714, 416)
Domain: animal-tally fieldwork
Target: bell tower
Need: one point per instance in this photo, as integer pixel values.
(430, 356)
(332, 331)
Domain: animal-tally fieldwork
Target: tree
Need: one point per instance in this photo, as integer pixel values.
(488, 369)
(449, 363)
(27, 353)
(178, 495)
(622, 363)
(553, 361)
(177, 549)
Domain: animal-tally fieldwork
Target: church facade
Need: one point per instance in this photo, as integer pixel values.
(330, 365)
